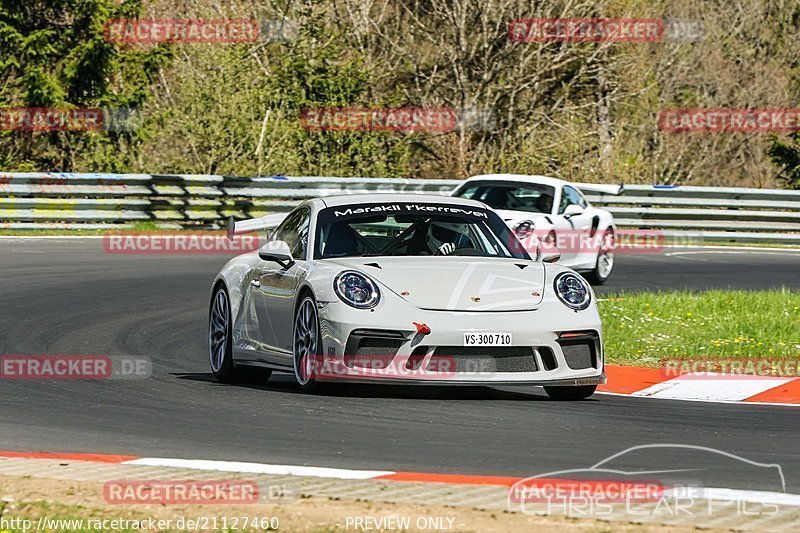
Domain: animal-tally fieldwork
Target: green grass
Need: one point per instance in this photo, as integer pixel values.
(645, 328)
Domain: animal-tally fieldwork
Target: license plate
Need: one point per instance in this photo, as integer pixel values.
(487, 339)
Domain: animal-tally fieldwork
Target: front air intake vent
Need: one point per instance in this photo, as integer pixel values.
(580, 349)
(548, 358)
(483, 359)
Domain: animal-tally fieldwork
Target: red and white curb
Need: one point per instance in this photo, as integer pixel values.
(262, 468)
(778, 498)
(709, 387)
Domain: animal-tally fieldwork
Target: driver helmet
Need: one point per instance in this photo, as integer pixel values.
(443, 232)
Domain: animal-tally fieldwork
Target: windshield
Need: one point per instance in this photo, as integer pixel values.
(401, 228)
(513, 196)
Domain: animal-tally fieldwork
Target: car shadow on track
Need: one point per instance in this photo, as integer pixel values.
(285, 383)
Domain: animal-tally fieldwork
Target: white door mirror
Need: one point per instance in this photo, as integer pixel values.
(572, 210)
(547, 253)
(277, 251)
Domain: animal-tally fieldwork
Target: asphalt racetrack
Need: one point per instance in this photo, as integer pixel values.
(69, 297)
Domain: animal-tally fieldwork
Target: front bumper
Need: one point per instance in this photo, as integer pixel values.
(374, 346)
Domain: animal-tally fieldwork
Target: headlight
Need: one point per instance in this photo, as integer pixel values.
(572, 291)
(356, 289)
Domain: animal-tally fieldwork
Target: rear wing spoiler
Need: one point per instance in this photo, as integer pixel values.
(604, 189)
(253, 224)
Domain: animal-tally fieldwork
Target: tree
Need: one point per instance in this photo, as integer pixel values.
(786, 155)
(53, 54)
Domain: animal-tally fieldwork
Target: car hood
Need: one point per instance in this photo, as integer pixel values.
(457, 283)
(512, 216)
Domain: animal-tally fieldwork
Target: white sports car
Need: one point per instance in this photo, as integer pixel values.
(404, 289)
(541, 208)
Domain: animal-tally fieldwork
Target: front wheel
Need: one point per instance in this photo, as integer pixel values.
(306, 345)
(570, 393)
(605, 260)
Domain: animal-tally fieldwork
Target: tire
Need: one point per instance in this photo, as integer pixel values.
(570, 393)
(306, 345)
(605, 260)
(220, 347)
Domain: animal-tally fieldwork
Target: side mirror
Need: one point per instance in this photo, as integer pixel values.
(277, 251)
(547, 253)
(572, 210)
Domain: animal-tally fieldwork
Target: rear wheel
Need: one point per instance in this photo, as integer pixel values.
(220, 345)
(605, 260)
(570, 393)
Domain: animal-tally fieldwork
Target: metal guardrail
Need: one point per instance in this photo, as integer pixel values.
(90, 201)
(707, 213)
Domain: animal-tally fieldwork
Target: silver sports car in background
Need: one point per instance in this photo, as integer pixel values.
(403, 289)
(556, 211)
